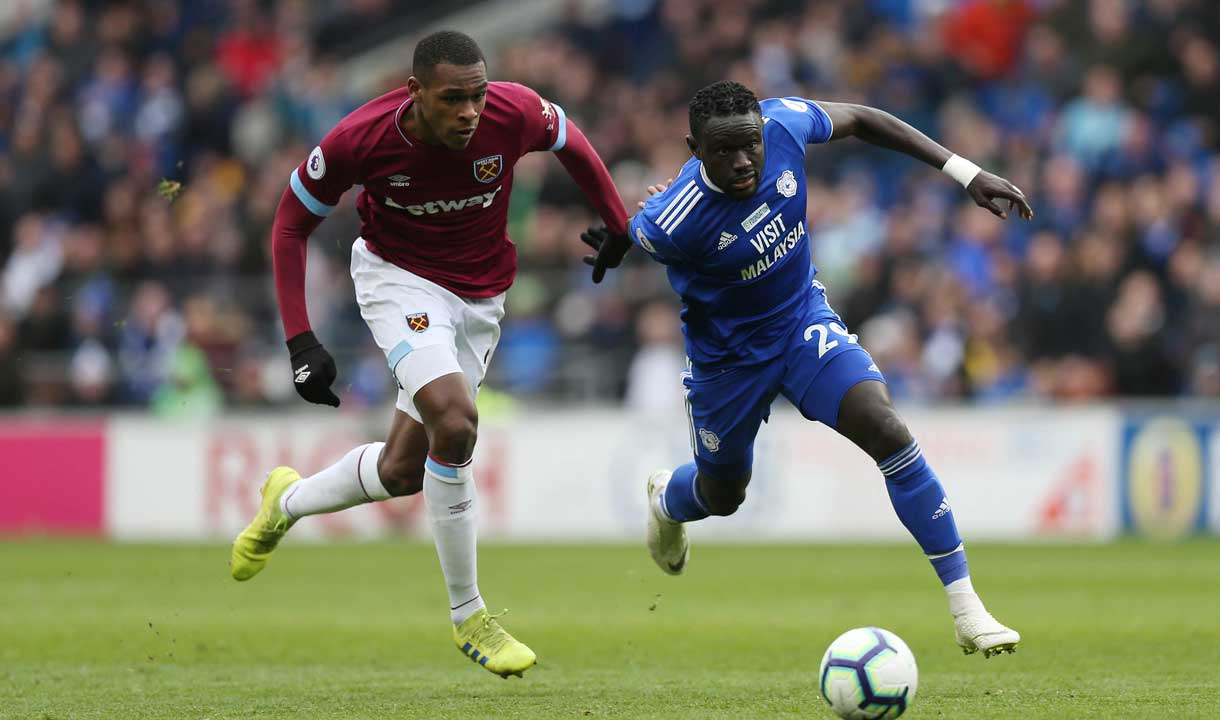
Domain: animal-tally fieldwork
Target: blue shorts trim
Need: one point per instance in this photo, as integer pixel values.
(397, 353)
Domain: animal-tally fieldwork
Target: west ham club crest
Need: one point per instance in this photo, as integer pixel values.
(489, 168)
(418, 321)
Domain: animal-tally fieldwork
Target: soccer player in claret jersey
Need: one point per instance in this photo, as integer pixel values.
(731, 231)
(430, 271)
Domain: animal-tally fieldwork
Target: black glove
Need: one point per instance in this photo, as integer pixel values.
(313, 369)
(610, 250)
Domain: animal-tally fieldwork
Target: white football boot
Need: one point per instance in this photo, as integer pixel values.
(666, 538)
(975, 629)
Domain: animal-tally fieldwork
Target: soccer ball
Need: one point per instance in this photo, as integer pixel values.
(868, 674)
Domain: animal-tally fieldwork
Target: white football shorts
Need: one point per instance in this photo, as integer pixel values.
(424, 330)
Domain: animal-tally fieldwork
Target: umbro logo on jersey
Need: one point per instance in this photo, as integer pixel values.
(943, 510)
(399, 180)
(726, 239)
(302, 375)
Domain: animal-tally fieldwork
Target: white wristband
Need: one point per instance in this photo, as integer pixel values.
(961, 169)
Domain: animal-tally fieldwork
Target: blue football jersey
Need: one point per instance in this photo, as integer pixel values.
(742, 268)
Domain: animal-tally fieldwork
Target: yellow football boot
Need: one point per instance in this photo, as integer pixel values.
(481, 639)
(253, 547)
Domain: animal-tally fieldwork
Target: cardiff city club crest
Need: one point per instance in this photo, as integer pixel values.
(786, 184)
(489, 168)
(418, 321)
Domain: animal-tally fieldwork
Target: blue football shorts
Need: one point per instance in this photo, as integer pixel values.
(726, 406)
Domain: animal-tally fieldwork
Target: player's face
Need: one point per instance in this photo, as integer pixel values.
(451, 102)
(731, 150)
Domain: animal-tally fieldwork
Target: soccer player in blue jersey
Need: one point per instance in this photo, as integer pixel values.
(731, 232)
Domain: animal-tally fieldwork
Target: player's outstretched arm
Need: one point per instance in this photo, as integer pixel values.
(882, 129)
(313, 368)
(598, 237)
(586, 167)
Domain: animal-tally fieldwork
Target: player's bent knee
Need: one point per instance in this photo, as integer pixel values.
(723, 497)
(452, 434)
(892, 434)
(401, 478)
(886, 432)
(450, 417)
(868, 419)
(726, 504)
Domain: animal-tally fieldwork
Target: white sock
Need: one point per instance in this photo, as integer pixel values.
(450, 499)
(351, 481)
(658, 506)
(962, 598)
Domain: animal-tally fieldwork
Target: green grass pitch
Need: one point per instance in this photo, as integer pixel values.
(95, 630)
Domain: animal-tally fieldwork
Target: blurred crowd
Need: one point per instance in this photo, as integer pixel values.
(144, 146)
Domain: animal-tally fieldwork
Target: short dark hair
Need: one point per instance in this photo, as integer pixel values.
(721, 99)
(444, 46)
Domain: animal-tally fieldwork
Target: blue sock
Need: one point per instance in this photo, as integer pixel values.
(681, 499)
(920, 502)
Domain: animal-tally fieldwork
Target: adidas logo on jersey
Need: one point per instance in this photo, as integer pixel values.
(943, 510)
(443, 206)
(726, 239)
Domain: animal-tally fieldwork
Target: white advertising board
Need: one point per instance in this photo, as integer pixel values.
(579, 475)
